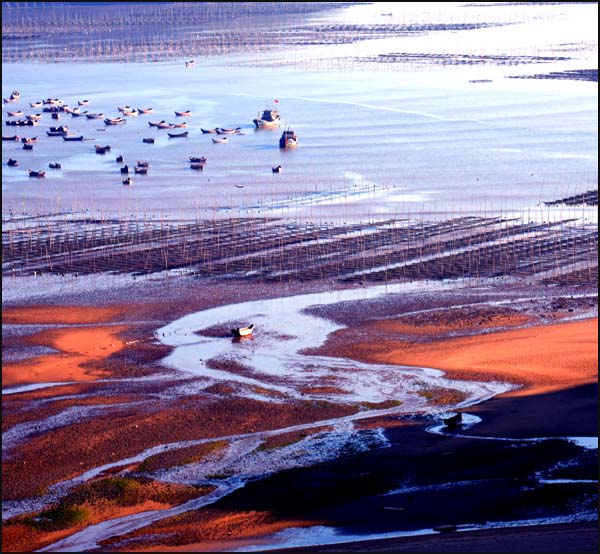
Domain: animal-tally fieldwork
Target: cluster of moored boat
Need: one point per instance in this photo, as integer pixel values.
(268, 118)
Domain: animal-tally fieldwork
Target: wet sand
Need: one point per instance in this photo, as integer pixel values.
(559, 399)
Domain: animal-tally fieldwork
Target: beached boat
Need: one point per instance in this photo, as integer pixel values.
(178, 135)
(243, 331)
(453, 421)
(220, 140)
(288, 139)
(73, 138)
(12, 163)
(39, 173)
(268, 118)
(186, 113)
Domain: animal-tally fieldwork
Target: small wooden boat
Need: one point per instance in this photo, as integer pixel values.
(453, 421)
(220, 140)
(207, 131)
(178, 135)
(164, 125)
(18, 113)
(94, 115)
(146, 110)
(115, 121)
(124, 109)
(54, 165)
(142, 164)
(105, 148)
(197, 166)
(72, 137)
(78, 114)
(131, 113)
(27, 146)
(34, 117)
(222, 131)
(243, 331)
(35, 104)
(12, 163)
(56, 133)
(83, 102)
(125, 170)
(128, 181)
(156, 123)
(119, 159)
(186, 113)
(38, 174)
(288, 139)
(179, 125)
(199, 160)
(29, 140)
(277, 169)
(140, 170)
(55, 115)
(15, 95)
(12, 137)
(148, 140)
(52, 101)
(268, 118)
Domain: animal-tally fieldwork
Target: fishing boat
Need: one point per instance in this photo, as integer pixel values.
(34, 117)
(141, 170)
(199, 160)
(131, 113)
(73, 138)
(94, 115)
(39, 173)
(243, 331)
(288, 139)
(29, 140)
(164, 125)
(18, 113)
(12, 163)
(115, 121)
(178, 135)
(277, 169)
(119, 159)
(125, 170)
(124, 109)
(128, 181)
(269, 118)
(148, 140)
(28, 146)
(186, 113)
(197, 166)
(35, 104)
(12, 137)
(146, 110)
(156, 123)
(83, 102)
(220, 140)
(208, 131)
(60, 131)
(223, 131)
(54, 165)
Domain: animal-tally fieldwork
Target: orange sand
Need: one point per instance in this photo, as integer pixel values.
(77, 345)
(542, 358)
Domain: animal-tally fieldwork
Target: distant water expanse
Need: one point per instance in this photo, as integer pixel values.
(408, 111)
